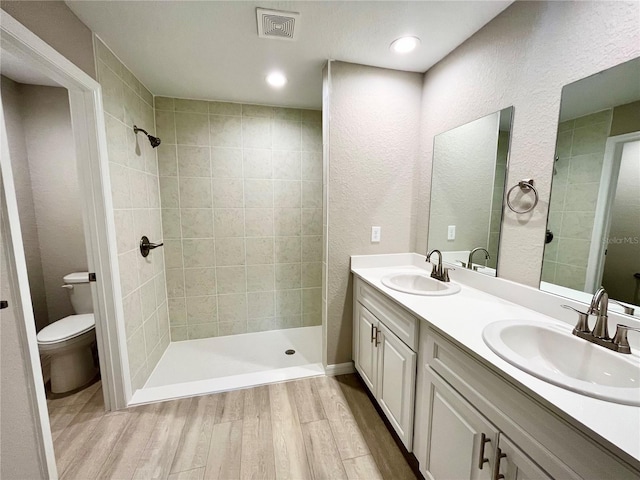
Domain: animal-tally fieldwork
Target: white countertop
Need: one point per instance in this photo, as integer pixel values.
(463, 316)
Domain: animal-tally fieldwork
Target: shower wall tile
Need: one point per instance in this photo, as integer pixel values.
(224, 108)
(259, 250)
(134, 170)
(226, 162)
(258, 222)
(576, 181)
(194, 161)
(192, 128)
(196, 222)
(240, 190)
(225, 131)
(193, 106)
(257, 163)
(194, 332)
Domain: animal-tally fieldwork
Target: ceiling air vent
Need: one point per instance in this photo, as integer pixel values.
(277, 24)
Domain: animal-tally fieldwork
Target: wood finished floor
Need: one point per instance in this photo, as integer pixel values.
(314, 428)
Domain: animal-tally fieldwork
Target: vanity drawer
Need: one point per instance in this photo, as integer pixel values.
(398, 320)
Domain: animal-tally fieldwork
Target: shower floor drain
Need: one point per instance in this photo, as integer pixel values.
(290, 352)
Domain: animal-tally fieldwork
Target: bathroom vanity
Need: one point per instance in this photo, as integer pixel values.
(460, 408)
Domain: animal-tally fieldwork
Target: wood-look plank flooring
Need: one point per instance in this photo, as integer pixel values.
(314, 428)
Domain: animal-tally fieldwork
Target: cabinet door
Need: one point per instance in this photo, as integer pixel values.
(396, 383)
(514, 464)
(460, 441)
(366, 352)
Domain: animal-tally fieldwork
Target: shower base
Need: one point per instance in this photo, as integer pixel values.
(210, 365)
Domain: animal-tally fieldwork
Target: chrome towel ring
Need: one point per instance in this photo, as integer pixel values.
(526, 186)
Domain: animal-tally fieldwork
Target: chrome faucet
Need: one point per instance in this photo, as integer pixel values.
(600, 333)
(470, 261)
(599, 305)
(438, 271)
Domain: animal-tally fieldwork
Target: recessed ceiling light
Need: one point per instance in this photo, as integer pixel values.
(405, 44)
(276, 79)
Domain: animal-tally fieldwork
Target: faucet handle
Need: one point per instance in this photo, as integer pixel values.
(627, 309)
(445, 274)
(583, 320)
(464, 265)
(620, 338)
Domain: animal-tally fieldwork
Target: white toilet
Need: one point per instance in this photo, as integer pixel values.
(70, 342)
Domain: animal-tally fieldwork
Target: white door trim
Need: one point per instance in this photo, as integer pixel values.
(602, 219)
(87, 118)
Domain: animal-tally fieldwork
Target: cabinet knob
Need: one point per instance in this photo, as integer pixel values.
(373, 334)
(481, 458)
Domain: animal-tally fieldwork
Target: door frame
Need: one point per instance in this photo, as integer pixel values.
(87, 120)
(602, 219)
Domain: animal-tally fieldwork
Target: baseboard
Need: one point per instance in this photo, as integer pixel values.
(339, 369)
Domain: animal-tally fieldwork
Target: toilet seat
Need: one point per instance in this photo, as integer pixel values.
(66, 328)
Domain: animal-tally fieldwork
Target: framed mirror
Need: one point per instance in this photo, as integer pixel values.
(593, 228)
(467, 190)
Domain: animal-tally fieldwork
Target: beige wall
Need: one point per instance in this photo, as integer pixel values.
(57, 25)
(522, 58)
(55, 191)
(240, 187)
(11, 102)
(462, 185)
(45, 174)
(373, 133)
(135, 189)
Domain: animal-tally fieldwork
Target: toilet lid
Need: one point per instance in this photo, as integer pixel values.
(66, 328)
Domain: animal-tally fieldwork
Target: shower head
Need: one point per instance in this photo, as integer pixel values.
(154, 141)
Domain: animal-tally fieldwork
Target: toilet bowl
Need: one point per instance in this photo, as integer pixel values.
(70, 341)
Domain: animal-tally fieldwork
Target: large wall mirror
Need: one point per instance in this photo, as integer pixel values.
(467, 188)
(593, 230)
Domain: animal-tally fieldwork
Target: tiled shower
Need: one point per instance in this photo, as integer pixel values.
(235, 193)
(241, 197)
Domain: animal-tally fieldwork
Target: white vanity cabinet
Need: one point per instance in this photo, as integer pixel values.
(385, 339)
(461, 442)
(465, 411)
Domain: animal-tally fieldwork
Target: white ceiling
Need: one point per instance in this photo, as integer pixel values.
(616, 86)
(211, 50)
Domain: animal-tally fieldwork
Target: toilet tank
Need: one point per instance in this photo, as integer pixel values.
(79, 289)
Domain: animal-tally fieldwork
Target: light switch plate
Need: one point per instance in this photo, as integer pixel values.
(375, 234)
(451, 232)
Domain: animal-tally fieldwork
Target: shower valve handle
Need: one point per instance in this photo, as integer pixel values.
(146, 246)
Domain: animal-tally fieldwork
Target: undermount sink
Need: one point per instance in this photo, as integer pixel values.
(419, 284)
(550, 352)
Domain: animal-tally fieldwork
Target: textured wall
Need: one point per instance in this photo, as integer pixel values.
(57, 25)
(240, 187)
(462, 184)
(522, 58)
(574, 195)
(373, 130)
(11, 102)
(55, 191)
(135, 189)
